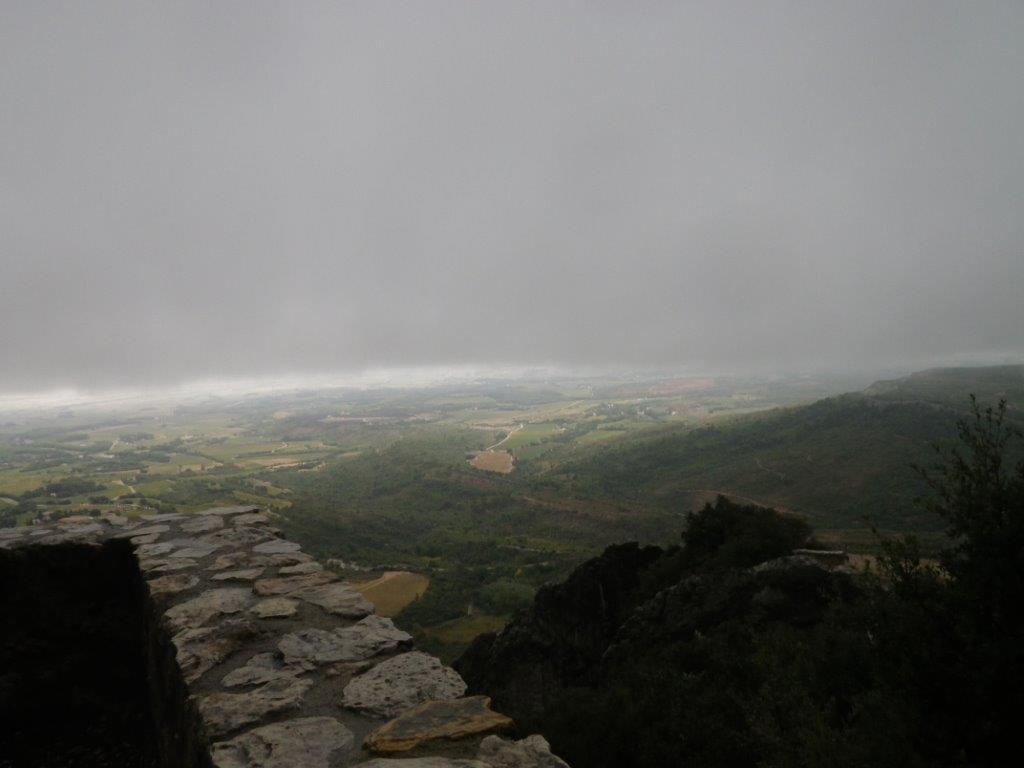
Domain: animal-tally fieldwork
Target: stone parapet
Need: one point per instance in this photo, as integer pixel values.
(259, 657)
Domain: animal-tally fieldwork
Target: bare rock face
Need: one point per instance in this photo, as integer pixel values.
(337, 598)
(370, 637)
(309, 742)
(531, 752)
(400, 683)
(432, 720)
(213, 602)
(275, 608)
(225, 712)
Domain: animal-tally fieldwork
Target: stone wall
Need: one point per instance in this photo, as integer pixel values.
(258, 656)
(73, 677)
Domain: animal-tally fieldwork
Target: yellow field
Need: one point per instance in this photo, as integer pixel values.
(393, 591)
(493, 461)
(465, 629)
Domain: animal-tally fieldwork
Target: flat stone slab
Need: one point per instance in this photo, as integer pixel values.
(287, 584)
(276, 547)
(337, 598)
(253, 518)
(222, 511)
(295, 570)
(169, 566)
(370, 637)
(452, 719)
(531, 752)
(213, 602)
(262, 668)
(229, 560)
(194, 548)
(494, 752)
(172, 583)
(247, 560)
(239, 536)
(145, 530)
(281, 558)
(275, 608)
(155, 550)
(74, 521)
(226, 712)
(246, 574)
(114, 519)
(422, 762)
(203, 524)
(199, 650)
(309, 742)
(400, 683)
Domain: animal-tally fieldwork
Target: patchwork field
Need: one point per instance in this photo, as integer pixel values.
(380, 479)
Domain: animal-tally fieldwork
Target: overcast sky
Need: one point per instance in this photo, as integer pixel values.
(220, 189)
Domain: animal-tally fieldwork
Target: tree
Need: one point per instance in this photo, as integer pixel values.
(980, 496)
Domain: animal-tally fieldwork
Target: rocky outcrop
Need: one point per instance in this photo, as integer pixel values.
(259, 657)
(561, 639)
(618, 648)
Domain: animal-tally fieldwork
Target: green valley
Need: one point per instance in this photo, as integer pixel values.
(377, 481)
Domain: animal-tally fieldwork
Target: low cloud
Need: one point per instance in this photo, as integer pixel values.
(191, 190)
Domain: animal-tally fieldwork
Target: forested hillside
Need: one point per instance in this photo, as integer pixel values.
(838, 461)
(730, 651)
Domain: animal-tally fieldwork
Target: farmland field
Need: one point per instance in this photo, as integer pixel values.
(378, 482)
(393, 590)
(501, 462)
